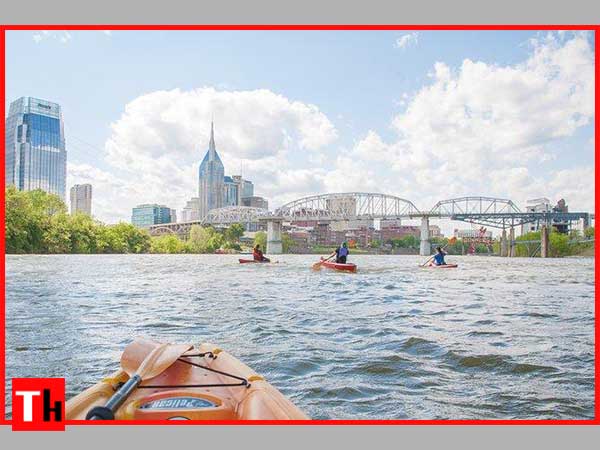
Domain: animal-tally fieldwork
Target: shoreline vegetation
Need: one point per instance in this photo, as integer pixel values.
(37, 222)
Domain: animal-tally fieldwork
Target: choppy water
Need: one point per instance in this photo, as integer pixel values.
(495, 338)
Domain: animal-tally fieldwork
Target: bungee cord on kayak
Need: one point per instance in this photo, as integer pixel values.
(180, 391)
(243, 381)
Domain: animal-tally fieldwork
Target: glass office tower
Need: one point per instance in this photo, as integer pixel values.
(35, 153)
(211, 178)
(150, 214)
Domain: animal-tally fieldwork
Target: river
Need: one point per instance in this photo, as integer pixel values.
(497, 338)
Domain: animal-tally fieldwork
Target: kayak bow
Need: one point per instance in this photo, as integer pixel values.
(205, 383)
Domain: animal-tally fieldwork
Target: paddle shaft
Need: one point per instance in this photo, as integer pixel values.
(107, 412)
(320, 263)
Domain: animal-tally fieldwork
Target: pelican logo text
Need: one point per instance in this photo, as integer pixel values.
(38, 404)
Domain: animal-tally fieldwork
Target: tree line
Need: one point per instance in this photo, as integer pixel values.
(38, 222)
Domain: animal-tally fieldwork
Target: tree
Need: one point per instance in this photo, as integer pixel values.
(57, 236)
(126, 238)
(234, 232)
(83, 234)
(530, 248)
(287, 243)
(589, 233)
(204, 239)
(559, 244)
(168, 243)
(260, 238)
(38, 222)
(16, 221)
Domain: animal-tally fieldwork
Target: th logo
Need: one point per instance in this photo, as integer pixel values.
(38, 404)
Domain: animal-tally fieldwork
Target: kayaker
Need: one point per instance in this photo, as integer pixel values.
(341, 253)
(258, 254)
(438, 259)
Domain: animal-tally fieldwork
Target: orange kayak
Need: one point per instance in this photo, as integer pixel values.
(205, 383)
(348, 267)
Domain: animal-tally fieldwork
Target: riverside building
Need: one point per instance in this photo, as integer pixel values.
(150, 214)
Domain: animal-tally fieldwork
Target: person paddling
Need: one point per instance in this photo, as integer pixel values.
(438, 259)
(341, 253)
(258, 254)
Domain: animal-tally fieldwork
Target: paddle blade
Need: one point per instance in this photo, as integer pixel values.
(149, 359)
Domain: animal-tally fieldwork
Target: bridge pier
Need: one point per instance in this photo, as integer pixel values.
(544, 244)
(503, 244)
(512, 249)
(425, 247)
(274, 245)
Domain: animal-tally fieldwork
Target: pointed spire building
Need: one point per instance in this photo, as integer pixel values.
(211, 178)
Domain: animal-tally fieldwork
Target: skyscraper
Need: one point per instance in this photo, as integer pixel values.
(230, 192)
(211, 178)
(191, 211)
(81, 199)
(35, 152)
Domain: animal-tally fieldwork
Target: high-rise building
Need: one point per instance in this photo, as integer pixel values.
(255, 202)
(245, 188)
(230, 192)
(173, 215)
(35, 153)
(211, 178)
(81, 199)
(191, 211)
(150, 214)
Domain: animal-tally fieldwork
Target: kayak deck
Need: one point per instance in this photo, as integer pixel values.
(190, 389)
(246, 261)
(344, 267)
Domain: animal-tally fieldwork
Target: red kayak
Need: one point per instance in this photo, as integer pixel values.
(339, 266)
(443, 266)
(244, 261)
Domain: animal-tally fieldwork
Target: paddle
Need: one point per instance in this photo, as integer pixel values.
(317, 266)
(452, 240)
(157, 361)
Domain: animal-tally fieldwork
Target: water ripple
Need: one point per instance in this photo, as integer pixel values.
(496, 338)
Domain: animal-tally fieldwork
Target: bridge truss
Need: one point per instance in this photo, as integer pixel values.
(347, 206)
(485, 211)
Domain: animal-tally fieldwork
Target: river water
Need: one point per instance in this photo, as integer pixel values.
(496, 338)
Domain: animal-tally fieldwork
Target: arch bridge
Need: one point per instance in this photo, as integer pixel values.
(348, 206)
(221, 217)
(487, 211)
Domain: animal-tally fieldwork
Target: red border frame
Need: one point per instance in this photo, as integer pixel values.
(595, 28)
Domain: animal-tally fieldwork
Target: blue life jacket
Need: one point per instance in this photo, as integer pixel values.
(439, 259)
(343, 251)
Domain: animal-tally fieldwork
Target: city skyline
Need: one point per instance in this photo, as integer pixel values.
(441, 114)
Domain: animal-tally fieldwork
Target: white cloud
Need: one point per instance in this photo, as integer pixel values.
(479, 128)
(61, 36)
(407, 40)
(159, 140)
(475, 129)
(107, 32)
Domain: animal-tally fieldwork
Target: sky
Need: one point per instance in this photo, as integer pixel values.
(423, 115)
